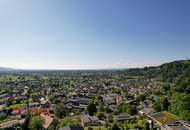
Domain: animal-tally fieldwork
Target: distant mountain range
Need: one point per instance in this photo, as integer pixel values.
(5, 69)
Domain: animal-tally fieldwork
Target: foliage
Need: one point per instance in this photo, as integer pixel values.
(90, 128)
(180, 105)
(2, 116)
(91, 108)
(115, 127)
(101, 115)
(147, 126)
(183, 84)
(132, 110)
(51, 98)
(110, 118)
(59, 110)
(68, 121)
(167, 72)
(129, 109)
(162, 104)
(36, 123)
(125, 107)
(141, 97)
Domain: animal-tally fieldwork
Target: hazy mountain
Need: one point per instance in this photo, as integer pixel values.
(5, 69)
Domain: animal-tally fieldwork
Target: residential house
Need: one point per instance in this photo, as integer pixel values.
(167, 121)
(48, 120)
(123, 117)
(87, 120)
(12, 124)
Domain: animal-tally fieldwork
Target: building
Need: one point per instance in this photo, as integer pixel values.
(87, 120)
(12, 124)
(123, 117)
(167, 121)
(48, 120)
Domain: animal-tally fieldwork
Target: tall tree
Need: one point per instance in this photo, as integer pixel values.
(59, 110)
(91, 109)
(147, 126)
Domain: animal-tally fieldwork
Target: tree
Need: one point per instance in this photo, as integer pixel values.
(68, 121)
(125, 107)
(165, 104)
(183, 83)
(3, 116)
(157, 106)
(132, 110)
(162, 104)
(51, 98)
(59, 110)
(141, 97)
(147, 126)
(101, 116)
(25, 126)
(91, 108)
(166, 87)
(110, 118)
(180, 105)
(90, 128)
(115, 127)
(36, 123)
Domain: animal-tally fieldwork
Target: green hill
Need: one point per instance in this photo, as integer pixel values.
(165, 72)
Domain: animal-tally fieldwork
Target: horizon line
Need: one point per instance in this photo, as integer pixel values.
(78, 69)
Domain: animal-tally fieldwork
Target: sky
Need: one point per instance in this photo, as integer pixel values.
(93, 34)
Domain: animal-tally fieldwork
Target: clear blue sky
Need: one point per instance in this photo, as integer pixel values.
(90, 34)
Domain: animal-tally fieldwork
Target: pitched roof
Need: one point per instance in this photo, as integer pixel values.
(87, 118)
(123, 117)
(11, 123)
(47, 120)
(163, 117)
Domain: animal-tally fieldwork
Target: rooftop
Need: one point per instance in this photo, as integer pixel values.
(47, 120)
(163, 117)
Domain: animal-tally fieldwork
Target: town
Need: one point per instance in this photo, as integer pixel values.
(92, 100)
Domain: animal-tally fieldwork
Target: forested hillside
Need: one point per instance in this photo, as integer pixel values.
(175, 77)
(166, 72)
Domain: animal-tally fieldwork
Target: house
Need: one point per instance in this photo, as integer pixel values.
(12, 124)
(107, 99)
(177, 125)
(48, 120)
(146, 111)
(45, 104)
(34, 104)
(87, 120)
(119, 100)
(79, 100)
(167, 121)
(15, 112)
(123, 117)
(72, 128)
(38, 111)
(51, 108)
(145, 104)
(6, 95)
